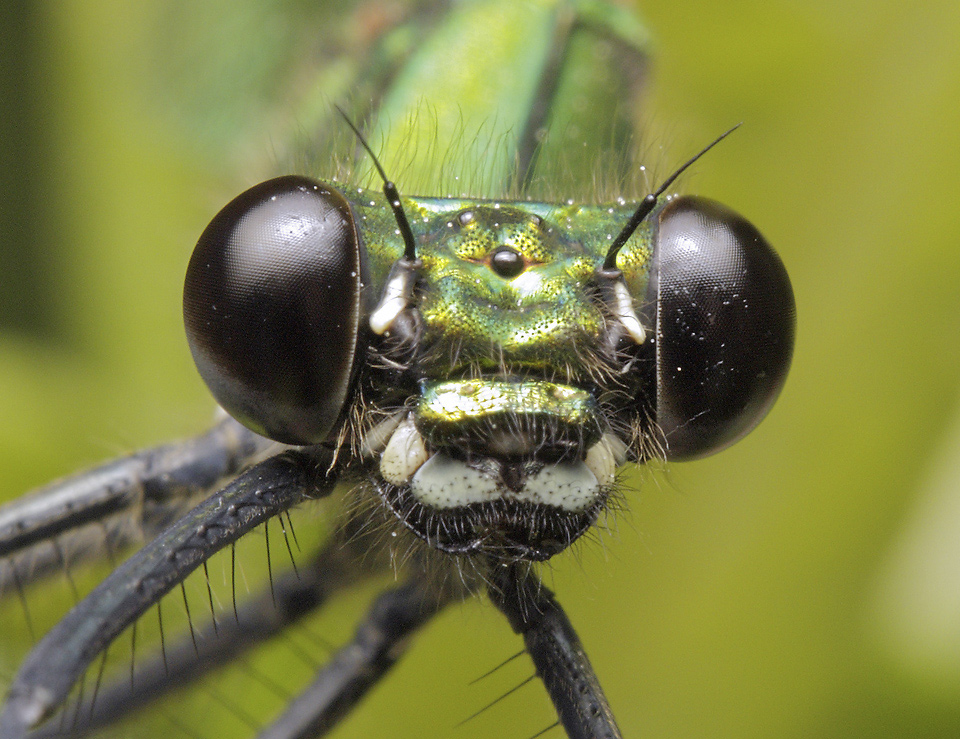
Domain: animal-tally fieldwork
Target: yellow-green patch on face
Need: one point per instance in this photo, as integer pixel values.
(508, 285)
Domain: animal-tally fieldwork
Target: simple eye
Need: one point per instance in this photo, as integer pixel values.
(725, 326)
(272, 307)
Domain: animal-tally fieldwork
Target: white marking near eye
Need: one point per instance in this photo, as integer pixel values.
(602, 460)
(396, 296)
(375, 440)
(623, 309)
(404, 454)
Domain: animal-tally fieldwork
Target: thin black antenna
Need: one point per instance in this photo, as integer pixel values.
(650, 201)
(391, 193)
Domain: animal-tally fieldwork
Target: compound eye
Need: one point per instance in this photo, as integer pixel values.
(725, 327)
(272, 308)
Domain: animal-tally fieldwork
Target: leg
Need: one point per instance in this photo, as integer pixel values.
(60, 658)
(344, 561)
(557, 653)
(106, 507)
(378, 643)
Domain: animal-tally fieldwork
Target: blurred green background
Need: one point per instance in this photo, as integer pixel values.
(805, 583)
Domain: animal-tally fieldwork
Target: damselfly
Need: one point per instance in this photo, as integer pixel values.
(473, 368)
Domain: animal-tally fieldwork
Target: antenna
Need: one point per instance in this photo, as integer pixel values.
(391, 193)
(649, 202)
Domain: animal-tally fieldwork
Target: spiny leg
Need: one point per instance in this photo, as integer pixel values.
(60, 658)
(343, 561)
(377, 645)
(557, 653)
(102, 509)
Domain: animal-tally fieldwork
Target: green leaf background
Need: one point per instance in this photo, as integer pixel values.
(805, 583)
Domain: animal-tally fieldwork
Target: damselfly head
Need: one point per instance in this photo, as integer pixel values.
(519, 353)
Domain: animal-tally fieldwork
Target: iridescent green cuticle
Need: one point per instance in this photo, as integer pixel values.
(456, 402)
(475, 320)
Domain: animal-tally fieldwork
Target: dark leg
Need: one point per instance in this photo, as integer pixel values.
(116, 501)
(61, 657)
(377, 645)
(556, 651)
(292, 596)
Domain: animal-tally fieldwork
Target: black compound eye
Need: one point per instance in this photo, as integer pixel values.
(272, 307)
(725, 326)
